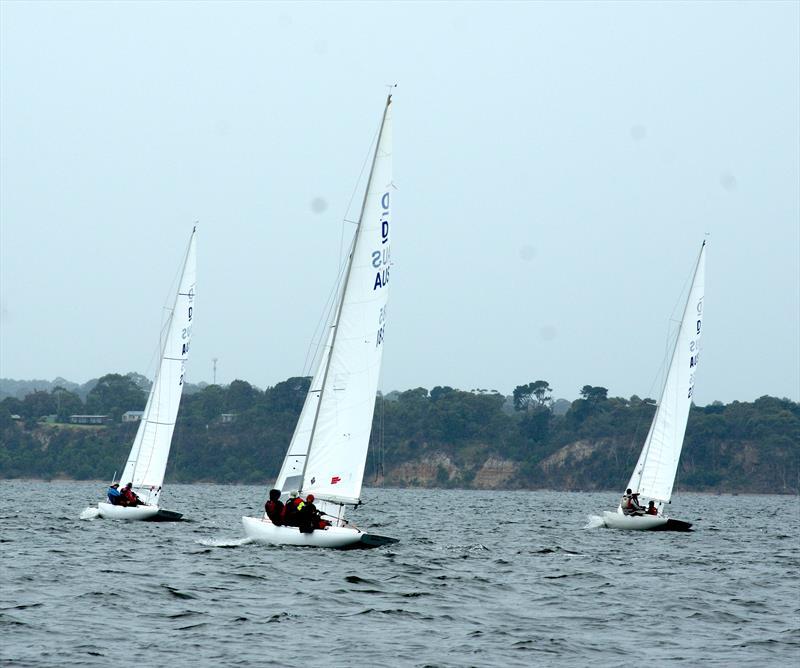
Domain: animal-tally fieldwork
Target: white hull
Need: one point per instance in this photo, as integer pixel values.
(140, 513)
(643, 522)
(265, 531)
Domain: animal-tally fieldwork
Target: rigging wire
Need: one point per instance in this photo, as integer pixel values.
(167, 314)
(381, 433)
(669, 345)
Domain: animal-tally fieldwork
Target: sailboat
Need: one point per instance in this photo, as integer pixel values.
(328, 450)
(654, 475)
(147, 460)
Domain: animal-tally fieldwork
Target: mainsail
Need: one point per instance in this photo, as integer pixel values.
(328, 451)
(654, 475)
(148, 458)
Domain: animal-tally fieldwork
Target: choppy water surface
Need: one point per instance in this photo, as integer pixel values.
(479, 579)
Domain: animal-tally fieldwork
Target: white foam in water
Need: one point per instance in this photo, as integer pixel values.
(594, 522)
(214, 542)
(90, 514)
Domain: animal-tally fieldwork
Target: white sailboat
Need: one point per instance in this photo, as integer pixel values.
(654, 475)
(327, 453)
(147, 461)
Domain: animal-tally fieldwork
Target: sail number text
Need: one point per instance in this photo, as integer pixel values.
(381, 260)
(186, 333)
(382, 256)
(694, 346)
(381, 326)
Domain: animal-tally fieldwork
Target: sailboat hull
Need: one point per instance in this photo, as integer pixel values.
(643, 522)
(142, 513)
(343, 538)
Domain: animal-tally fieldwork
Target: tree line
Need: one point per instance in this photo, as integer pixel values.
(593, 444)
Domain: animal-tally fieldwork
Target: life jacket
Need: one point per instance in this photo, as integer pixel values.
(652, 510)
(274, 511)
(293, 506)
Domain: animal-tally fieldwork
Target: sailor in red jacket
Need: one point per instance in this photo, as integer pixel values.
(129, 497)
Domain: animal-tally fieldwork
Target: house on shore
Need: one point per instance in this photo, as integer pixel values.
(89, 419)
(132, 416)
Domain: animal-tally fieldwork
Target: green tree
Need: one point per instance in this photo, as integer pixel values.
(67, 403)
(289, 395)
(535, 424)
(537, 393)
(441, 392)
(113, 395)
(38, 404)
(13, 405)
(241, 396)
(594, 395)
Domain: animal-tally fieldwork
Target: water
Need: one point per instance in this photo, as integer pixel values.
(479, 579)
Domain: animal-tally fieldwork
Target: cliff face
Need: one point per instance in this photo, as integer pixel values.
(569, 467)
(601, 464)
(440, 470)
(434, 470)
(710, 462)
(496, 473)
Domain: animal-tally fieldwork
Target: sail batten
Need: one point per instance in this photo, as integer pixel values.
(654, 474)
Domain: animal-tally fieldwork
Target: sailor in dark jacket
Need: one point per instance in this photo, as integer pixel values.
(274, 507)
(291, 513)
(312, 517)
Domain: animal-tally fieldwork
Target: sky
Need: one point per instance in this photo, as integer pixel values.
(557, 167)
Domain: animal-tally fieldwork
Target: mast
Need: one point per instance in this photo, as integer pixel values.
(353, 247)
(156, 387)
(645, 455)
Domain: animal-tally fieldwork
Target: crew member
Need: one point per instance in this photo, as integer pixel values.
(129, 497)
(651, 508)
(274, 507)
(630, 503)
(291, 513)
(114, 494)
(311, 517)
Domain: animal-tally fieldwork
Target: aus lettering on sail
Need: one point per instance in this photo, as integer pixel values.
(381, 261)
(381, 258)
(694, 345)
(186, 332)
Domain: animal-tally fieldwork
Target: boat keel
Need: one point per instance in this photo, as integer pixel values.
(165, 516)
(369, 541)
(673, 525)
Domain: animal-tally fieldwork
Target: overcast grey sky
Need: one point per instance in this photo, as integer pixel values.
(557, 166)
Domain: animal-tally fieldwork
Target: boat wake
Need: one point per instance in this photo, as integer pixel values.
(594, 522)
(90, 513)
(222, 542)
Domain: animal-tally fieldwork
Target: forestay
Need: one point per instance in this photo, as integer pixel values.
(148, 458)
(654, 475)
(291, 476)
(334, 427)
